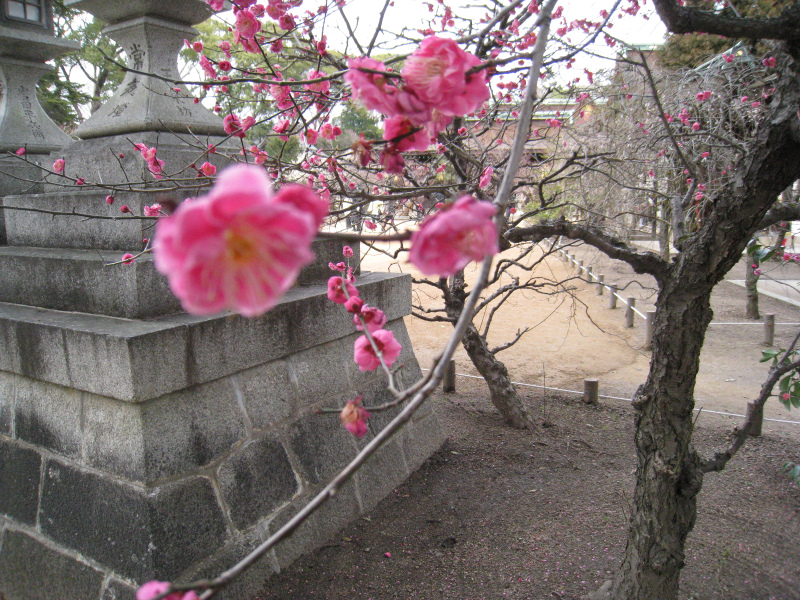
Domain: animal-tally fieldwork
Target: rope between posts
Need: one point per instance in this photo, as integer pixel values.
(541, 387)
(592, 277)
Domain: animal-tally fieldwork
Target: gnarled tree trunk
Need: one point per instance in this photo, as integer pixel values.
(502, 391)
(668, 477)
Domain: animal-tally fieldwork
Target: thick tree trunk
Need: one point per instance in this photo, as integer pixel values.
(668, 478)
(751, 285)
(502, 391)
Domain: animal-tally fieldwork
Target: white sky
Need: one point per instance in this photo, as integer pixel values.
(363, 17)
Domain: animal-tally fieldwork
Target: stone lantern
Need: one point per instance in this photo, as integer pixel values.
(26, 43)
(151, 32)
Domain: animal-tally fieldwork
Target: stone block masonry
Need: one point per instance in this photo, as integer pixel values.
(169, 448)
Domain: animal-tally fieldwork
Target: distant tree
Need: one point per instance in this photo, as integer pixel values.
(62, 93)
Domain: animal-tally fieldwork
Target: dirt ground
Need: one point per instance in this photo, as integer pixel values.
(501, 513)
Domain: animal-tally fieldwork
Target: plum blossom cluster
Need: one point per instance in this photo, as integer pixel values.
(154, 164)
(439, 81)
(455, 236)
(241, 246)
(376, 347)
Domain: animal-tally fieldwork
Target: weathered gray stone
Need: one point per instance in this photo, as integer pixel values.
(113, 437)
(114, 160)
(140, 535)
(321, 445)
(19, 176)
(19, 482)
(118, 590)
(48, 416)
(23, 122)
(328, 251)
(114, 357)
(7, 390)
(79, 280)
(113, 231)
(250, 583)
(144, 103)
(190, 12)
(268, 393)
(329, 518)
(189, 429)
(256, 480)
(319, 372)
(420, 439)
(384, 471)
(32, 570)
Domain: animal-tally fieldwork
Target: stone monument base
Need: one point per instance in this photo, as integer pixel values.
(169, 448)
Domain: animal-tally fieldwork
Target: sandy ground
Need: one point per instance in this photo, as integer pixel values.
(576, 335)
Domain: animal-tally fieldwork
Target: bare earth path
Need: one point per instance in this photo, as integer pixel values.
(499, 513)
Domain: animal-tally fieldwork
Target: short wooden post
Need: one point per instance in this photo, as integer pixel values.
(769, 330)
(449, 382)
(591, 388)
(600, 285)
(612, 296)
(579, 264)
(589, 274)
(650, 319)
(630, 302)
(757, 413)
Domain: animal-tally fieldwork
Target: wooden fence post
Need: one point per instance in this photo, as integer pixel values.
(630, 302)
(591, 388)
(612, 296)
(449, 381)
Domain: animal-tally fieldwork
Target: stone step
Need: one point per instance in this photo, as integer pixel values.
(86, 281)
(133, 360)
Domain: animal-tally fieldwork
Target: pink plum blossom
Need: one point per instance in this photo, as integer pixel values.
(233, 126)
(304, 200)
(215, 5)
(450, 239)
(374, 318)
(152, 211)
(437, 73)
(486, 178)
(246, 25)
(207, 67)
(336, 293)
(354, 418)
(153, 589)
(365, 356)
(127, 258)
(371, 89)
(238, 248)
(20, 152)
(405, 136)
(786, 396)
(354, 305)
(208, 169)
(58, 165)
